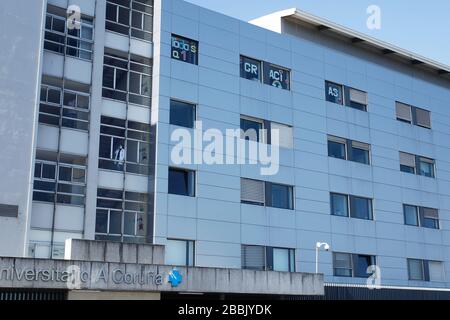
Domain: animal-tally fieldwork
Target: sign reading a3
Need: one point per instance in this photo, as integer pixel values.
(184, 49)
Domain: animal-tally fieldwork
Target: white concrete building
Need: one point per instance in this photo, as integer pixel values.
(88, 107)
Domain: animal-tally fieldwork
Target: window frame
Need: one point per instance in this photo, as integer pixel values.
(189, 245)
(261, 135)
(191, 42)
(190, 104)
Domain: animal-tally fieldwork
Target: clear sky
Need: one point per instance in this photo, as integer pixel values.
(420, 26)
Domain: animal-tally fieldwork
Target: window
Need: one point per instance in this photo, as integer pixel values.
(416, 269)
(429, 218)
(358, 99)
(276, 76)
(436, 270)
(410, 163)
(281, 196)
(339, 205)
(337, 148)
(184, 49)
(179, 252)
(426, 167)
(182, 114)
(403, 112)
(250, 69)
(66, 108)
(343, 95)
(62, 182)
(334, 93)
(135, 20)
(77, 42)
(359, 208)
(423, 118)
(342, 265)
(121, 215)
(421, 217)
(262, 193)
(252, 192)
(411, 215)
(252, 129)
(267, 258)
(352, 265)
(345, 149)
(285, 135)
(9, 211)
(407, 162)
(123, 83)
(127, 155)
(271, 74)
(360, 152)
(413, 115)
(182, 182)
(253, 257)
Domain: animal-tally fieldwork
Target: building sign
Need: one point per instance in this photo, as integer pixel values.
(73, 277)
(276, 76)
(333, 92)
(184, 49)
(250, 69)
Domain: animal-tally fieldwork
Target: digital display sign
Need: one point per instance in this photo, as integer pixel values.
(276, 76)
(184, 49)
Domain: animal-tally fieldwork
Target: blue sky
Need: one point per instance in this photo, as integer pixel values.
(419, 26)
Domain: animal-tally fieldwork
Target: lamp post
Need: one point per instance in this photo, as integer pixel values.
(319, 245)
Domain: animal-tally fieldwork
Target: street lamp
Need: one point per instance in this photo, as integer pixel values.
(319, 245)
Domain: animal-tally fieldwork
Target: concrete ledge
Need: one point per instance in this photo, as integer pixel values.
(103, 251)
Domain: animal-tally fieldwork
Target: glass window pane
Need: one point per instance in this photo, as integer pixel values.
(124, 16)
(411, 217)
(281, 260)
(101, 221)
(148, 23)
(361, 263)
(108, 77)
(111, 12)
(176, 252)
(276, 76)
(250, 69)
(146, 86)
(65, 174)
(361, 208)
(282, 196)
(54, 96)
(105, 147)
(430, 223)
(253, 257)
(59, 25)
(48, 171)
(78, 175)
(115, 222)
(132, 151)
(336, 150)
(339, 205)
(83, 102)
(436, 271)
(136, 20)
(70, 99)
(144, 152)
(334, 93)
(182, 114)
(129, 224)
(426, 169)
(135, 83)
(121, 79)
(251, 130)
(184, 49)
(415, 268)
(360, 155)
(37, 170)
(181, 182)
(86, 33)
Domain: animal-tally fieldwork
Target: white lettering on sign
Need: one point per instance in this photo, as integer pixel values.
(250, 67)
(333, 92)
(276, 75)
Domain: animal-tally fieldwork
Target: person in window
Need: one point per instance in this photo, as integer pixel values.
(119, 157)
